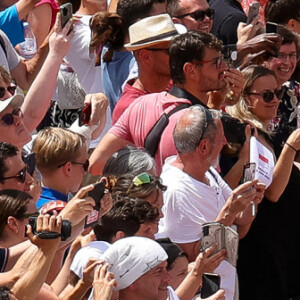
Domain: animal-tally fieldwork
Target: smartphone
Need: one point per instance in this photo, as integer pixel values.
(249, 172)
(66, 12)
(97, 194)
(85, 115)
(271, 27)
(29, 160)
(253, 11)
(210, 284)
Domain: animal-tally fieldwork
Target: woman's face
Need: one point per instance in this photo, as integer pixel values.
(262, 110)
(178, 271)
(284, 65)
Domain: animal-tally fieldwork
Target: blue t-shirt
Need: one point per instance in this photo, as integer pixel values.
(115, 73)
(48, 195)
(11, 25)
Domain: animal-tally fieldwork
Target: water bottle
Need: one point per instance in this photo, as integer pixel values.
(28, 48)
(298, 115)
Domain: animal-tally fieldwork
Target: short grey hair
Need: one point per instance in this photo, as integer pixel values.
(190, 129)
(129, 160)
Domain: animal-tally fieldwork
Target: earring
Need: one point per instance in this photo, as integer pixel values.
(16, 231)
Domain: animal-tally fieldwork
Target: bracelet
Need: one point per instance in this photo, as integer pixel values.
(291, 146)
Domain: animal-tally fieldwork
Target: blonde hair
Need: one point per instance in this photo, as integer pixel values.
(241, 109)
(4, 76)
(56, 146)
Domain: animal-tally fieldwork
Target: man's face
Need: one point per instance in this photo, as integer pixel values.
(211, 72)
(16, 133)
(148, 285)
(15, 165)
(284, 65)
(191, 6)
(218, 143)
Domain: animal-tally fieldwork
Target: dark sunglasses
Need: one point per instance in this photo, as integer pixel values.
(85, 165)
(159, 49)
(208, 119)
(268, 96)
(8, 119)
(21, 176)
(12, 88)
(199, 15)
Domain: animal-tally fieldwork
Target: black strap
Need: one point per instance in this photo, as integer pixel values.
(154, 135)
(2, 44)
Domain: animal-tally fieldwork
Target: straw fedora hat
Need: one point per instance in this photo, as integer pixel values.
(151, 31)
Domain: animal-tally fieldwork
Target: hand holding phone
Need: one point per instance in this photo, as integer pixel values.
(85, 115)
(249, 175)
(210, 284)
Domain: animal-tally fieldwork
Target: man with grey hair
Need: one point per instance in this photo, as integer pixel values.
(197, 194)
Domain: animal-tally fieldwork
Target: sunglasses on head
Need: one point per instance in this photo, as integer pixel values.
(8, 119)
(142, 179)
(199, 15)
(21, 176)
(12, 88)
(268, 96)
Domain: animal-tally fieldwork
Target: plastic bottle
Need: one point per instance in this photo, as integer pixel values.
(28, 48)
(298, 115)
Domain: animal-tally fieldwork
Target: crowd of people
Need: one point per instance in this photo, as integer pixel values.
(125, 141)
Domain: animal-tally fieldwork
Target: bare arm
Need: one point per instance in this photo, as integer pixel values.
(283, 167)
(108, 145)
(41, 91)
(24, 7)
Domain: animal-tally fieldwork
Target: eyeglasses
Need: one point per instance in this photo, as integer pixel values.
(11, 89)
(142, 179)
(199, 15)
(21, 176)
(218, 61)
(35, 214)
(284, 56)
(268, 96)
(85, 165)
(8, 119)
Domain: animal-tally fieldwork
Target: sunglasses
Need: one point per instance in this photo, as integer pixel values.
(159, 49)
(21, 176)
(11, 89)
(217, 61)
(208, 119)
(268, 96)
(85, 165)
(142, 179)
(8, 119)
(199, 15)
(35, 214)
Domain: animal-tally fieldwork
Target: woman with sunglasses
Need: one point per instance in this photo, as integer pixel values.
(267, 245)
(16, 207)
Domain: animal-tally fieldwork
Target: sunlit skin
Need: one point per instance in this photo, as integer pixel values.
(262, 110)
(178, 270)
(189, 6)
(283, 67)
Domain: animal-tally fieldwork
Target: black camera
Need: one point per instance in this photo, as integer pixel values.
(66, 229)
(234, 130)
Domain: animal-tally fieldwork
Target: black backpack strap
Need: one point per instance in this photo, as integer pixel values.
(2, 44)
(154, 135)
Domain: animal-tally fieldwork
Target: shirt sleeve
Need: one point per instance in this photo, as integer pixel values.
(3, 258)
(11, 25)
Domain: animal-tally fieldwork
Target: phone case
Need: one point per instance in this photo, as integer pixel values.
(66, 11)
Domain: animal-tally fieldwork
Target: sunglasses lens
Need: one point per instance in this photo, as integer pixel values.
(86, 165)
(2, 91)
(279, 94)
(12, 89)
(22, 176)
(8, 119)
(210, 13)
(199, 15)
(268, 96)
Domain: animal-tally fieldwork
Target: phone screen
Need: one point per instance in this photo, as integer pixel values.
(249, 172)
(271, 27)
(210, 284)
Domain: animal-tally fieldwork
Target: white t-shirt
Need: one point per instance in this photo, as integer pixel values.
(188, 204)
(11, 59)
(82, 257)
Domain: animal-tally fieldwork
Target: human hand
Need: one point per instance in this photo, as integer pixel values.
(88, 271)
(79, 206)
(82, 240)
(206, 262)
(45, 223)
(235, 84)
(246, 32)
(242, 196)
(219, 295)
(59, 41)
(268, 42)
(103, 284)
(99, 104)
